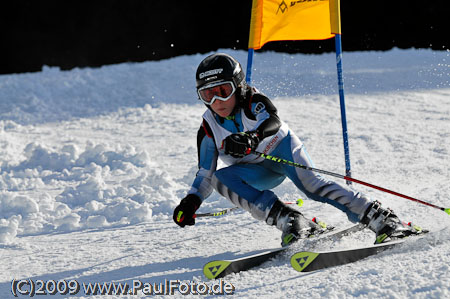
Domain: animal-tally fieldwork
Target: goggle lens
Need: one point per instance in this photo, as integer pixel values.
(221, 91)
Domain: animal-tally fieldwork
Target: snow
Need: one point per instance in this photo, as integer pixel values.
(93, 162)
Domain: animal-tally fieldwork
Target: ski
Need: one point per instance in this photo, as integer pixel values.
(307, 261)
(220, 268)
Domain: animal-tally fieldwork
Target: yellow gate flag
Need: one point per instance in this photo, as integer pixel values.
(274, 20)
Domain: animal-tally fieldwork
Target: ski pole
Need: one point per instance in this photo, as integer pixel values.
(279, 160)
(215, 214)
(299, 202)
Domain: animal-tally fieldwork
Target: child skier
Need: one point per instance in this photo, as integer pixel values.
(239, 120)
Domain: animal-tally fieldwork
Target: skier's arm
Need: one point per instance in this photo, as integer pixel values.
(258, 108)
(201, 188)
(265, 113)
(207, 163)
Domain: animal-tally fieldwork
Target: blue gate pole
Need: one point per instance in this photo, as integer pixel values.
(248, 76)
(338, 43)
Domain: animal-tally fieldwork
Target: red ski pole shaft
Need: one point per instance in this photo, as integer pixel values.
(393, 192)
(279, 160)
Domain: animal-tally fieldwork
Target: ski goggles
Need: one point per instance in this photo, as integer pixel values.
(222, 91)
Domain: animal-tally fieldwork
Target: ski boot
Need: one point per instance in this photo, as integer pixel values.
(386, 225)
(292, 223)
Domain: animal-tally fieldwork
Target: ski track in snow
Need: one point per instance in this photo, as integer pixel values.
(93, 161)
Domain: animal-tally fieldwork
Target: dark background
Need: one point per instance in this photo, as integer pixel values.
(74, 33)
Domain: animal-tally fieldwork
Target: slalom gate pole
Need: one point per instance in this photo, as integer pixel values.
(338, 45)
(248, 76)
(347, 178)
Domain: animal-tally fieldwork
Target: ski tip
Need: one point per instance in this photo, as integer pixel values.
(447, 211)
(301, 260)
(214, 269)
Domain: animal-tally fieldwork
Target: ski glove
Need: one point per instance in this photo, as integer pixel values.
(184, 213)
(240, 144)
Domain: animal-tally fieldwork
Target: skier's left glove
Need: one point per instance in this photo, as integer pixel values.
(184, 213)
(240, 144)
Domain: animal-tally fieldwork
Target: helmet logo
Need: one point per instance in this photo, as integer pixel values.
(209, 73)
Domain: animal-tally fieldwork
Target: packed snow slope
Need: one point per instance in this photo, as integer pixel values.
(93, 162)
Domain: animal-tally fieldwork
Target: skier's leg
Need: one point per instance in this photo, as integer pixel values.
(358, 207)
(317, 187)
(244, 184)
(247, 186)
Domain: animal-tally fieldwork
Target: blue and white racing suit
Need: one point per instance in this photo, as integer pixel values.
(247, 181)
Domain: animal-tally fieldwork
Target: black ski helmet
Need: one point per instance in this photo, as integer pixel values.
(219, 67)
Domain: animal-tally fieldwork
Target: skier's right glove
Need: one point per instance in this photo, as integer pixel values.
(184, 213)
(240, 144)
